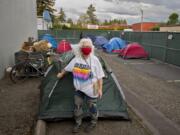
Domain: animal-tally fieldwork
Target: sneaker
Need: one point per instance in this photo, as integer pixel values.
(76, 128)
(90, 127)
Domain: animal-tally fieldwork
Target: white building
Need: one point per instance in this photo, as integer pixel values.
(42, 24)
(171, 28)
(17, 23)
(91, 26)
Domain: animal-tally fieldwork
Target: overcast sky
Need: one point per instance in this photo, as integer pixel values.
(154, 10)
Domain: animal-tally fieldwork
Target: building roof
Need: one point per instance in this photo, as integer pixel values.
(172, 25)
(146, 23)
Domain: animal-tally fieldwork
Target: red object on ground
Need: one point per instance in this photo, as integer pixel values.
(133, 50)
(117, 51)
(64, 46)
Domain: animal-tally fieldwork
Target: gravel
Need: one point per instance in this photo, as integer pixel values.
(18, 106)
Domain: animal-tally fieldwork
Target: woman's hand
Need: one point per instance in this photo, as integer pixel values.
(100, 93)
(61, 74)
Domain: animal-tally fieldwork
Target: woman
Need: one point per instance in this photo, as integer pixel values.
(87, 78)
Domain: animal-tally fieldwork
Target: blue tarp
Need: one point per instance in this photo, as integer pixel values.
(114, 44)
(100, 41)
(46, 16)
(50, 39)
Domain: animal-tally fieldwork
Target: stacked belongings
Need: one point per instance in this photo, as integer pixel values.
(40, 46)
(26, 47)
(57, 94)
(133, 50)
(50, 39)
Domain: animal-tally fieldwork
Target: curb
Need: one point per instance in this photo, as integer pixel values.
(154, 120)
(40, 128)
(151, 118)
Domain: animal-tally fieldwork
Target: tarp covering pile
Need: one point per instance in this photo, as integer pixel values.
(100, 41)
(64, 46)
(133, 50)
(57, 95)
(46, 16)
(50, 39)
(114, 44)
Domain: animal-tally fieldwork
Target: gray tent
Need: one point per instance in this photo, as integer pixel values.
(57, 95)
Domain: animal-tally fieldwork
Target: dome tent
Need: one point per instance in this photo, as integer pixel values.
(100, 41)
(57, 95)
(114, 44)
(133, 50)
(91, 36)
(63, 46)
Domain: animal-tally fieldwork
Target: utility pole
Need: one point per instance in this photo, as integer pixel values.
(141, 19)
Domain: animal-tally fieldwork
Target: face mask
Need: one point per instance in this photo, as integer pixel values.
(86, 50)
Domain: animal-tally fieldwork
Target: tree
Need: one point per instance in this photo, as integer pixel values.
(115, 21)
(156, 28)
(124, 21)
(62, 16)
(70, 21)
(83, 19)
(56, 22)
(105, 22)
(173, 18)
(88, 17)
(45, 4)
(91, 16)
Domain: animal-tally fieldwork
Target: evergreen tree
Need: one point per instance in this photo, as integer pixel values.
(83, 19)
(62, 16)
(45, 4)
(70, 21)
(115, 21)
(91, 16)
(124, 21)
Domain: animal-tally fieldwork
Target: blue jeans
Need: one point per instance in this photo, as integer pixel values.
(79, 99)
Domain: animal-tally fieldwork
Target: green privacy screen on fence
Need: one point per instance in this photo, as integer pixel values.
(164, 46)
(74, 35)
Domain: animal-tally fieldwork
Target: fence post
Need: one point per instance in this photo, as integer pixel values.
(141, 36)
(150, 51)
(165, 48)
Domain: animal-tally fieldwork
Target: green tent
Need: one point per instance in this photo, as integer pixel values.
(57, 95)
